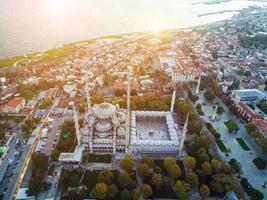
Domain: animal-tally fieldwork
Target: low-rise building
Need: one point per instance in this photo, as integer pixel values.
(15, 105)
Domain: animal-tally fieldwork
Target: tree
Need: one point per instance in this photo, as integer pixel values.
(189, 162)
(231, 125)
(100, 191)
(250, 127)
(182, 190)
(143, 170)
(202, 141)
(112, 191)
(35, 186)
(124, 179)
(55, 154)
(204, 191)
(156, 180)
(125, 195)
(146, 190)
(174, 171)
(194, 126)
(168, 161)
(209, 95)
(192, 179)
(147, 160)
(215, 164)
(206, 167)
(135, 193)
(216, 186)
(127, 163)
(105, 176)
(39, 164)
(83, 193)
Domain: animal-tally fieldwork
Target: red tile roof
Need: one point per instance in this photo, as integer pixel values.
(250, 112)
(261, 125)
(15, 102)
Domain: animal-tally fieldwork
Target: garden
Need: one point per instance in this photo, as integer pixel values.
(243, 144)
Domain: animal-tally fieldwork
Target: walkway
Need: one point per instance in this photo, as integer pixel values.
(255, 176)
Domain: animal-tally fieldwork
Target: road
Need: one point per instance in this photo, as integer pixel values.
(26, 156)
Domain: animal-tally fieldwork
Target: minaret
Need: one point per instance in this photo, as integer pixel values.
(183, 135)
(198, 85)
(78, 135)
(128, 107)
(173, 100)
(87, 95)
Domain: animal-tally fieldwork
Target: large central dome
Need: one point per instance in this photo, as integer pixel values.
(104, 110)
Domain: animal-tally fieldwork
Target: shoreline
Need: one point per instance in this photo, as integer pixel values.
(11, 60)
(92, 40)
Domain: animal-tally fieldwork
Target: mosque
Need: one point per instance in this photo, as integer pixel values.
(110, 129)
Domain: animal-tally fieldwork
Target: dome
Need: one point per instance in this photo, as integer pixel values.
(104, 110)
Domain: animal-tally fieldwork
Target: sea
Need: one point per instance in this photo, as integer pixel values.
(35, 25)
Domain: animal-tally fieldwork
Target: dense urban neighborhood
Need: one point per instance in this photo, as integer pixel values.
(175, 114)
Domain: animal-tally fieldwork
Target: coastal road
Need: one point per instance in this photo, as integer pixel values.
(26, 157)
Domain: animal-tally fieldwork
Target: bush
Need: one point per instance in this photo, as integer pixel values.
(221, 146)
(243, 144)
(209, 95)
(217, 135)
(199, 109)
(220, 110)
(260, 163)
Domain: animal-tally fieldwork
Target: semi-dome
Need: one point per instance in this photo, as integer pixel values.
(104, 110)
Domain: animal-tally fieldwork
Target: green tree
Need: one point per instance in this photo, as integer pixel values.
(143, 170)
(204, 191)
(125, 195)
(112, 191)
(216, 186)
(215, 164)
(202, 141)
(182, 190)
(231, 125)
(156, 180)
(83, 193)
(35, 186)
(124, 179)
(127, 163)
(189, 162)
(135, 193)
(209, 95)
(105, 176)
(146, 190)
(147, 160)
(174, 171)
(39, 164)
(100, 191)
(168, 161)
(192, 179)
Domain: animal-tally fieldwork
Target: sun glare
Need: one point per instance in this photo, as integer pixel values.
(156, 28)
(58, 6)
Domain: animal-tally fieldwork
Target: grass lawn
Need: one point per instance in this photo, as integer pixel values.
(260, 163)
(99, 158)
(243, 144)
(221, 146)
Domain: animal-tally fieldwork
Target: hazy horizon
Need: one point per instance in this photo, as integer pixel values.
(31, 25)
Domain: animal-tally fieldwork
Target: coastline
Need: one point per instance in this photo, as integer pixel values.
(12, 60)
